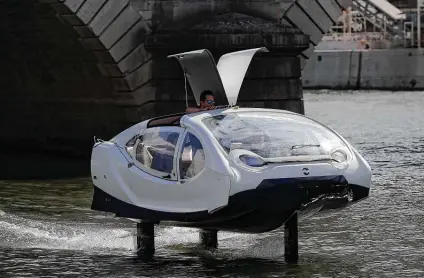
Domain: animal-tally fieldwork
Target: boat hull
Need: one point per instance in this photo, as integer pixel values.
(259, 210)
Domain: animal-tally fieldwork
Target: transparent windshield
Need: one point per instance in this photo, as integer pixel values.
(273, 134)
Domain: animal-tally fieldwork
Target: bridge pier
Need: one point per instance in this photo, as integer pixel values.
(279, 70)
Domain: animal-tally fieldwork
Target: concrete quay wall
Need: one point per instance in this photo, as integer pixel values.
(391, 69)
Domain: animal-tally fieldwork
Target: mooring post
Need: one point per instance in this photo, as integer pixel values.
(145, 239)
(209, 238)
(291, 247)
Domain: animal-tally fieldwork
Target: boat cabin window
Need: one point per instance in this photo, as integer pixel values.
(155, 150)
(167, 120)
(129, 146)
(192, 157)
(273, 134)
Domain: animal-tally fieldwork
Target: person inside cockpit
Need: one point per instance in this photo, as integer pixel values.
(207, 102)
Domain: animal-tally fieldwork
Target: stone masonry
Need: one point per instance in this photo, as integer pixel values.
(78, 68)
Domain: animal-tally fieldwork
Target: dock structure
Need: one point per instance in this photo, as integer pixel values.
(376, 44)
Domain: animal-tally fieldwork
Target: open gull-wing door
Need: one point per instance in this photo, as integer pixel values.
(202, 74)
(224, 79)
(232, 68)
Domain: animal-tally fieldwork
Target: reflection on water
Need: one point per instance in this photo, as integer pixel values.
(47, 228)
(38, 166)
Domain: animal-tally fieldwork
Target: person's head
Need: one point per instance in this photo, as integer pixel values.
(207, 99)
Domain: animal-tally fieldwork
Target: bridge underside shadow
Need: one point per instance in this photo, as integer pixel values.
(53, 97)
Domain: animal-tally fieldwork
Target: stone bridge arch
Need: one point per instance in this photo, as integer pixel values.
(79, 68)
(115, 30)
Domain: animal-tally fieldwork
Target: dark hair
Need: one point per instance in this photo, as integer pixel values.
(204, 94)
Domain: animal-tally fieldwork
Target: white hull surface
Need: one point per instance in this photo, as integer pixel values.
(244, 170)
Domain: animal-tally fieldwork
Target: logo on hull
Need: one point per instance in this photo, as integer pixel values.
(305, 171)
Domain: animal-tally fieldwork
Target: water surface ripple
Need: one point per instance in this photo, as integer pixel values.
(48, 230)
